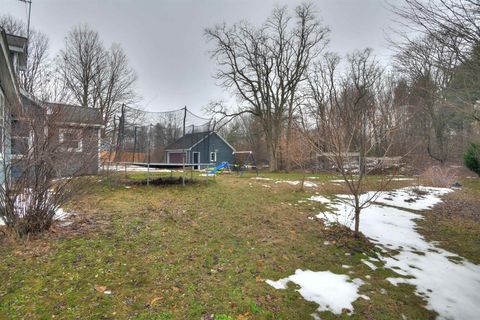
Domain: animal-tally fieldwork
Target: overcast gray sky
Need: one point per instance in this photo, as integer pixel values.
(164, 38)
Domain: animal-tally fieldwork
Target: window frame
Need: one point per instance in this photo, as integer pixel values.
(61, 137)
(214, 154)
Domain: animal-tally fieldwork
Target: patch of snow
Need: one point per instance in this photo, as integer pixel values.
(310, 184)
(344, 266)
(332, 292)
(133, 168)
(307, 184)
(451, 288)
(414, 198)
(293, 183)
(207, 174)
(261, 178)
(60, 215)
(320, 199)
(369, 264)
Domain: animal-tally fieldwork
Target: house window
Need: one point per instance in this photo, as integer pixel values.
(71, 140)
(20, 137)
(19, 146)
(213, 157)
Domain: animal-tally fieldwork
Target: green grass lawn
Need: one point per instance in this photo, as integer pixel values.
(199, 252)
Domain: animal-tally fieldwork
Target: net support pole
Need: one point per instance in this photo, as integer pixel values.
(135, 143)
(184, 145)
(148, 155)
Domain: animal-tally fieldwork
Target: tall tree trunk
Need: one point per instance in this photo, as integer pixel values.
(288, 163)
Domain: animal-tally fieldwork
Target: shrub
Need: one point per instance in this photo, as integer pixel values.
(440, 176)
(471, 158)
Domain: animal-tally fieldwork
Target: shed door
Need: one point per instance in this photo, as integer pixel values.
(196, 157)
(175, 157)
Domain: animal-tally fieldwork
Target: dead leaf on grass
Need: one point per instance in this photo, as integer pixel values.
(100, 289)
(155, 299)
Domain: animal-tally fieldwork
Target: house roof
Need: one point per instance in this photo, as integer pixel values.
(16, 43)
(8, 79)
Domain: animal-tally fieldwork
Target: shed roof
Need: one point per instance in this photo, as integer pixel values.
(68, 114)
(191, 139)
(187, 141)
(77, 114)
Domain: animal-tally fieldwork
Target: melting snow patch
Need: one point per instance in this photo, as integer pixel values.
(261, 178)
(60, 215)
(369, 264)
(307, 184)
(134, 168)
(414, 198)
(332, 292)
(451, 288)
(320, 199)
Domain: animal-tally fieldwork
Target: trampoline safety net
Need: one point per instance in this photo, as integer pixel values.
(157, 138)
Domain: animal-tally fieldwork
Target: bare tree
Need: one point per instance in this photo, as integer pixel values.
(301, 153)
(264, 66)
(96, 77)
(245, 134)
(453, 26)
(36, 75)
(453, 23)
(343, 123)
(115, 85)
(83, 59)
(428, 66)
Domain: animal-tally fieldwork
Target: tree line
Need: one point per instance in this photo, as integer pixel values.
(289, 87)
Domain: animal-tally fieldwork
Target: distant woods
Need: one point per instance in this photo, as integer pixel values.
(85, 72)
(424, 105)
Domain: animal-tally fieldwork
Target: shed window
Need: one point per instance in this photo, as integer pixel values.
(213, 156)
(71, 140)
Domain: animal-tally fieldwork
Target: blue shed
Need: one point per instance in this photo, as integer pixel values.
(200, 147)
